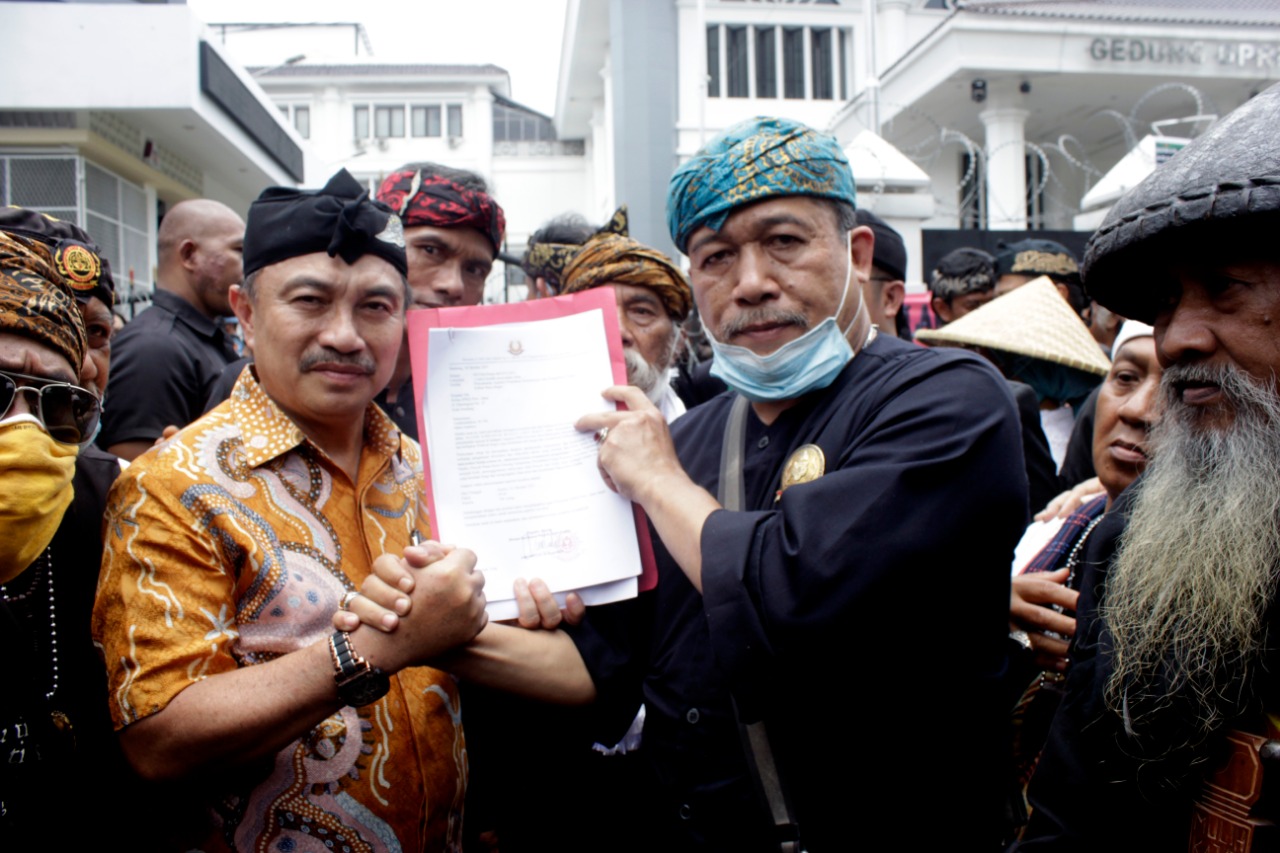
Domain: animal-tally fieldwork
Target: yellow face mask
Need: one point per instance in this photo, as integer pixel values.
(35, 491)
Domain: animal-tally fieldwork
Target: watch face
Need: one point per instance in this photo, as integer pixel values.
(366, 688)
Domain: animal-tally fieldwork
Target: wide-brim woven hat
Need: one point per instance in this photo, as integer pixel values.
(1034, 321)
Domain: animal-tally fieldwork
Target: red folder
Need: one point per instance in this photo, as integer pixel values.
(600, 298)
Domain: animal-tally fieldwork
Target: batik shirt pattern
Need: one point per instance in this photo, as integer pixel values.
(232, 545)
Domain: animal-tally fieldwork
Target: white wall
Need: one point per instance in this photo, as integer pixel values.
(532, 190)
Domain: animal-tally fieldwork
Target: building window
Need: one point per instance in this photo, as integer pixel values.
(814, 62)
(388, 121)
(115, 215)
(362, 122)
(302, 121)
(736, 67)
(46, 184)
(455, 120)
(300, 116)
(713, 61)
(842, 38)
(793, 62)
(512, 124)
(115, 212)
(766, 62)
(426, 120)
(821, 53)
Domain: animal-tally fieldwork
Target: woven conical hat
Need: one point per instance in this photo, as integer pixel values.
(1033, 320)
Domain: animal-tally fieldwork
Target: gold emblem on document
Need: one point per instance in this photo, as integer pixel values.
(515, 348)
(807, 464)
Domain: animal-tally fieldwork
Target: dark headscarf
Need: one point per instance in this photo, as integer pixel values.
(890, 252)
(550, 260)
(340, 219)
(1036, 258)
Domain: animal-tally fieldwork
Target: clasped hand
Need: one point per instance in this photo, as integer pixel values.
(433, 579)
(433, 597)
(1031, 600)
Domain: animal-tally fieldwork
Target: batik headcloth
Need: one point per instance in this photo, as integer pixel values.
(35, 299)
(550, 260)
(753, 160)
(614, 259)
(340, 220)
(423, 199)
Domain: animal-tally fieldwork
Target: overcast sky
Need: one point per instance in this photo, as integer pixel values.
(522, 36)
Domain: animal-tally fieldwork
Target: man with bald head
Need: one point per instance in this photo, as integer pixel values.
(167, 359)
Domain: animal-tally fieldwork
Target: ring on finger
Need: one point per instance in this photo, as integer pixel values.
(601, 435)
(348, 597)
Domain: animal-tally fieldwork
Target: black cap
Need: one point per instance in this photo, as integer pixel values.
(890, 253)
(1036, 258)
(75, 255)
(340, 219)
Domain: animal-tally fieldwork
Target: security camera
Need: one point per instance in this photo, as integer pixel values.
(978, 91)
(1025, 87)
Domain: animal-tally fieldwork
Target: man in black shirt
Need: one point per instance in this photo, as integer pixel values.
(167, 359)
(870, 494)
(1174, 662)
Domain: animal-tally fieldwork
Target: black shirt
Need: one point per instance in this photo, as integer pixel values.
(57, 742)
(863, 615)
(1093, 788)
(404, 411)
(162, 368)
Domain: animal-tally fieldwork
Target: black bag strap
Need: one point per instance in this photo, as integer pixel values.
(755, 738)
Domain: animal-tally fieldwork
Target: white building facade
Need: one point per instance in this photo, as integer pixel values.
(371, 117)
(1011, 110)
(111, 143)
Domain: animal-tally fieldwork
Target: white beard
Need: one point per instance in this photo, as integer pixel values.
(649, 378)
(1196, 570)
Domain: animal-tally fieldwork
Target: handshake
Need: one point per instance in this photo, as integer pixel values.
(417, 609)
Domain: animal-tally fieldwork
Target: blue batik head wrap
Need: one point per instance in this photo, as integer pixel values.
(755, 159)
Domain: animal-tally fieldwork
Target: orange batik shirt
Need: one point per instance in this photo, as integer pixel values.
(232, 544)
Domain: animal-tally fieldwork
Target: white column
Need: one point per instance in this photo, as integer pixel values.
(1006, 168)
(605, 186)
(893, 29)
(808, 62)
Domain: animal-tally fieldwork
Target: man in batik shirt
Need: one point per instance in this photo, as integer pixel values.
(229, 548)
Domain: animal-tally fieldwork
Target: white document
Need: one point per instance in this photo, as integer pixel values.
(512, 479)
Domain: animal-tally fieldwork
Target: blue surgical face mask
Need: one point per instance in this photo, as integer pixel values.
(809, 363)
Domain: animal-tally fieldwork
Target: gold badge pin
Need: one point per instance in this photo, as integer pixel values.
(78, 264)
(805, 465)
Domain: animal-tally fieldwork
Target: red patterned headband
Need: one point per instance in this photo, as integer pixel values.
(437, 201)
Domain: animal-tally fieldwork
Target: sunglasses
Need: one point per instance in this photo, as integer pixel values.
(69, 413)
